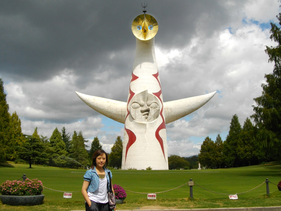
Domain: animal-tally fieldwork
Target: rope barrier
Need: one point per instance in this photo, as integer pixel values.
(251, 189)
(211, 190)
(229, 194)
(126, 190)
(160, 191)
(274, 184)
(175, 189)
(60, 190)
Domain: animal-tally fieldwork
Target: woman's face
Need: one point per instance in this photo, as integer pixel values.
(101, 160)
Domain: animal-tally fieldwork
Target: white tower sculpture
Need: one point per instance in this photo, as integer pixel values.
(145, 115)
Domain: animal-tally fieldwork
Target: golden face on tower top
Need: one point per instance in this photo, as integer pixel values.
(144, 27)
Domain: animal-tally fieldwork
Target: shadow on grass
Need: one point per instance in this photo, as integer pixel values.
(268, 169)
(5, 164)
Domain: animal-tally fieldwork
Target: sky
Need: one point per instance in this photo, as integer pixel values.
(51, 48)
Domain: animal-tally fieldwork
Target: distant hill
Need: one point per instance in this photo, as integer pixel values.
(193, 160)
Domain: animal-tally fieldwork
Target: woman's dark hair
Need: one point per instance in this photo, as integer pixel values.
(98, 153)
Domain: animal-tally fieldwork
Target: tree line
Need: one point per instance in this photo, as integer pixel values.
(256, 142)
(241, 147)
(61, 149)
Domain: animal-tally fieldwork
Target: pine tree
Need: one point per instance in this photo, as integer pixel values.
(78, 150)
(57, 147)
(83, 154)
(94, 147)
(250, 151)
(57, 143)
(115, 157)
(4, 123)
(16, 138)
(33, 150)
(43, 158)
(267, 114)
(219, 152)
(232, 142)
(73, 151)
(35, 133)
(207, 153)
(66, 139)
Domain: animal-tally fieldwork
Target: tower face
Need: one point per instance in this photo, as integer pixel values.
(144, 143)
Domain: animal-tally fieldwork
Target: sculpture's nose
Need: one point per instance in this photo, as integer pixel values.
(144, 28)
(145, 109)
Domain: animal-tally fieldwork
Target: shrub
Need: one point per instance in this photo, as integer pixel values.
(20, 188)
(120, 193)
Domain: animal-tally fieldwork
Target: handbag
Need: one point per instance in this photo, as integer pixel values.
(111, 196)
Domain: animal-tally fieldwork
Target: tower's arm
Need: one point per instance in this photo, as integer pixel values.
(113, 109)
(174, 110)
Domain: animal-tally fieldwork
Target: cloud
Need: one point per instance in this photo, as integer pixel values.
(183, 148)
(262, 10)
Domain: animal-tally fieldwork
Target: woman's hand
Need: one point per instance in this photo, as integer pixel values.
(84, 192)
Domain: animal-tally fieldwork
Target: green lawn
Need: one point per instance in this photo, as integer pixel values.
(221, 181)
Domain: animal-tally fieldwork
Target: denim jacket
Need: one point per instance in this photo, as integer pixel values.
(92, 176)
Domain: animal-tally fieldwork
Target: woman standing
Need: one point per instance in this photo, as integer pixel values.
(97, 183)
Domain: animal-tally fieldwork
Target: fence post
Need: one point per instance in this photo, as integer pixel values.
(267, 186)
(191, 188)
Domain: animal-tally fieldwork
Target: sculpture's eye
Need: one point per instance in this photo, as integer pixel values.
(150, 27)
(154, 105)
(135, 105)
(139, 27)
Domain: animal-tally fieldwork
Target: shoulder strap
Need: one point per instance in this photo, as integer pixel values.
(110, 186)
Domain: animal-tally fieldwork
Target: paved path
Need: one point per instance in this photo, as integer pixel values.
(211, 209)
(219, 209)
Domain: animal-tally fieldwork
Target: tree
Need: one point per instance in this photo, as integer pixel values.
(115, 157)
(57, 143)
(57, 148)
(16, 138)
(177, 162)
(193, 161)
(219, 157)
(267, 110)
(207, 153)
(33, 150)
(78, 151)
(35, 133)
(250, 151)
(66, 139)
(94, 147)
(47, 151)
(232, 142)
(43, 158)
(83, 154)
(4, 123)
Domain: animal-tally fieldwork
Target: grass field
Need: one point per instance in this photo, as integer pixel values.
(220, 181)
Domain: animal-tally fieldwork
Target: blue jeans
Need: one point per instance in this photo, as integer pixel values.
(97, 207)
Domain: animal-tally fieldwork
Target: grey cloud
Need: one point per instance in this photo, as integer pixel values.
(42, 38)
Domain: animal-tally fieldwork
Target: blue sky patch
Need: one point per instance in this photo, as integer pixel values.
(111, 125)
(262, 25)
